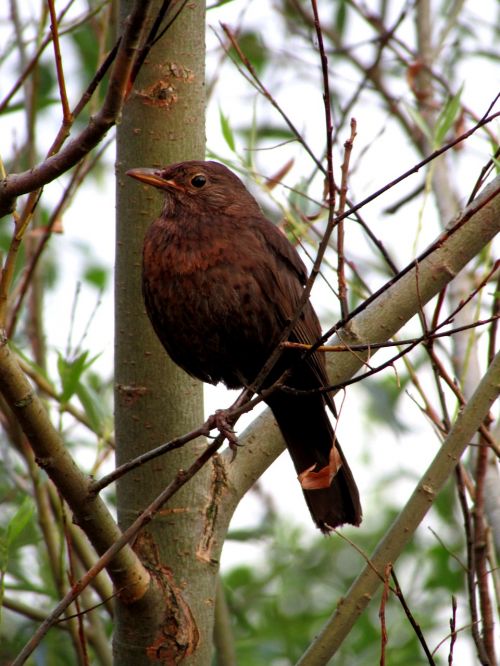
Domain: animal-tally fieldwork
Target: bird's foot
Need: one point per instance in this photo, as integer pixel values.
(220, 421)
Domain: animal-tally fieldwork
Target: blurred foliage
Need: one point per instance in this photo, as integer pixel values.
(383, 394)
(252, 45)
(280, 602)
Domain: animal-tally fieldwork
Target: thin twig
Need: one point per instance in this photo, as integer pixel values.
(449, 636)
(480, 552)
(453, 628)
(381, 614)
(348, 145)
(365, 557)
(253, 78)
(33, 62)
(54, 28)
(171, 445)
(445, 547)
(78, 175)
(369, 346)
(411, 619)
(471, 566)
(485, 171)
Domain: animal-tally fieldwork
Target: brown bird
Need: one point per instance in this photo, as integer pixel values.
(220, 283)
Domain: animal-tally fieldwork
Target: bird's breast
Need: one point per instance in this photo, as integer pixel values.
(208, 306)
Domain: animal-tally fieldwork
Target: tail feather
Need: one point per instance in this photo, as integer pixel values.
(309, 437)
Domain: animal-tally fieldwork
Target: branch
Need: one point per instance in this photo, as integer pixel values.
(55, 165)
(52, 455)
(403, 528)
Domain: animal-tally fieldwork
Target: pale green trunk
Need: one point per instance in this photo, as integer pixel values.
(163, 122)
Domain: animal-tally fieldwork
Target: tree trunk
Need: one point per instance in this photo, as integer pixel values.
(163, 122)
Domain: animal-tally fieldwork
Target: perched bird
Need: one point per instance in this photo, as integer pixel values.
(220, 283)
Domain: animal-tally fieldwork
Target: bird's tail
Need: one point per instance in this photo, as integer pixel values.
(309, 437)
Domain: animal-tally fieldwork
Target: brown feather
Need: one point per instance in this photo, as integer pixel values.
(220, 284)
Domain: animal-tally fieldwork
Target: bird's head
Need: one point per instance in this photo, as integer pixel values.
(207, 186)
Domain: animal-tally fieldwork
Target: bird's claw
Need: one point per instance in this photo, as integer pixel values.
(220, 421)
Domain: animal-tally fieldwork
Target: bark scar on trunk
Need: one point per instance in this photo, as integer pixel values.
(177, 635)
(217, 489)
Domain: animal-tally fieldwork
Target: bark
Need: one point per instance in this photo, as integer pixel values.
(163, 122)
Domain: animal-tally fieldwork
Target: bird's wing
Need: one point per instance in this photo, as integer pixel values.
(290, 277)
(283, 250)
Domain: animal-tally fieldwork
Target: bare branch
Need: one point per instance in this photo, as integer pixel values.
(403, 528)
(57, 164)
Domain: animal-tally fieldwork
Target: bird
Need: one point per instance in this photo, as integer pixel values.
(220, 283)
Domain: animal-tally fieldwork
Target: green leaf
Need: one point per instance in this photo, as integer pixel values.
(20, 520)
(341, 18)
(15, 527)
(447, 117)
(37, 368)
(70, 373)
(254, 49)
(227, 131)
(97, 275)
(218, 3)
(265, 131)
(84, 41)
(496, 162)
(92, 405)
(420, 122)
(13, 108)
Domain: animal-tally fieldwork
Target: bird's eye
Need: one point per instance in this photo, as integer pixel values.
(198, 181)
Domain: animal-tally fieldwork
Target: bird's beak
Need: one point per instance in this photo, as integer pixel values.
(153, 177)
